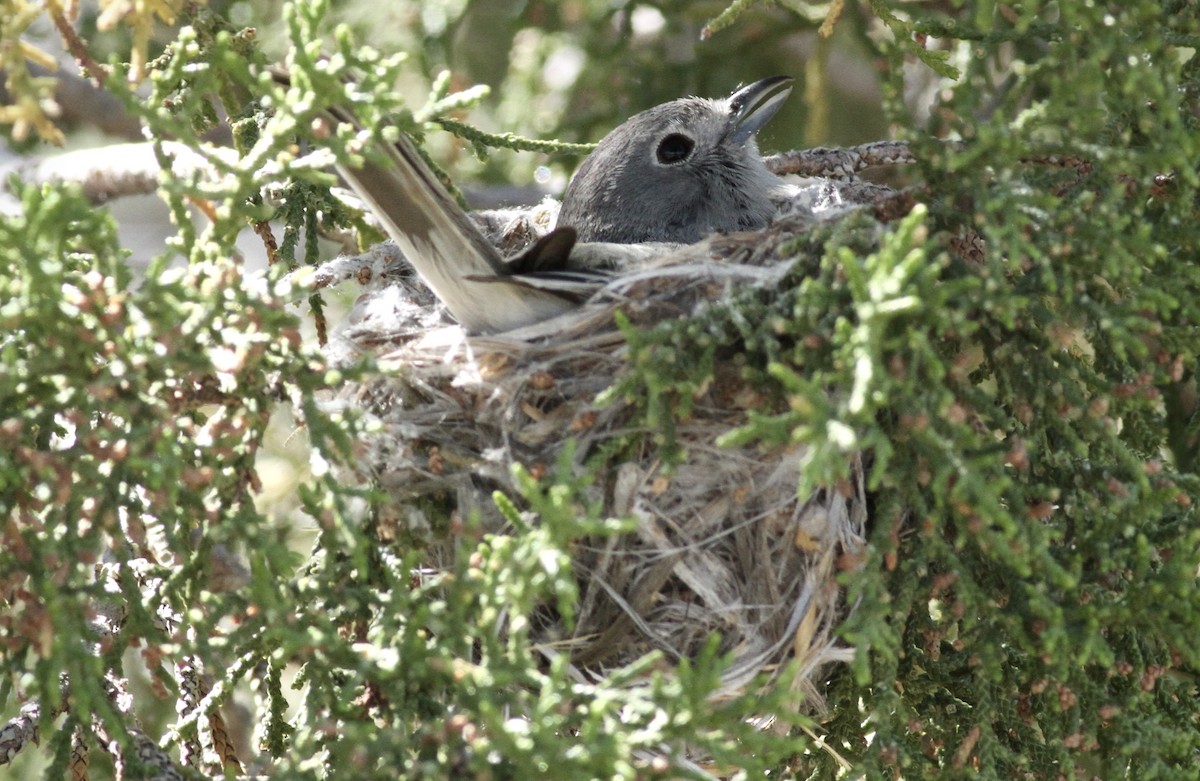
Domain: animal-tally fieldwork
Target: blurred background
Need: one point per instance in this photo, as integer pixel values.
(568, 70)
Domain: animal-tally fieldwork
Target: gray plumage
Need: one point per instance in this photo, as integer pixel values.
(674, 173)
(679, 171)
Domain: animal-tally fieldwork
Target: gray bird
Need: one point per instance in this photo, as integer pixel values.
(679, 171)
(676, 173)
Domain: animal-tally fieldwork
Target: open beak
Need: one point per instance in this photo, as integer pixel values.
(753, 105)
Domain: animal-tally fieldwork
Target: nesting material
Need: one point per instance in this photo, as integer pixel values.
(722, 545)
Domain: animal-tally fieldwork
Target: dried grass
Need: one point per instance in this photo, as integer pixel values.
(723, 545)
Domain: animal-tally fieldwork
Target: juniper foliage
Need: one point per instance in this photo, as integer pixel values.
(1028, 602)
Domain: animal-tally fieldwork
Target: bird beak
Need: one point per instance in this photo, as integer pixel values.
(753, 106)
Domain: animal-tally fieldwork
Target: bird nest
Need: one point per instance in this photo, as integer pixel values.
(721, 543)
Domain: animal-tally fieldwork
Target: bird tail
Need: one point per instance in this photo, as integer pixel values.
(438, 238)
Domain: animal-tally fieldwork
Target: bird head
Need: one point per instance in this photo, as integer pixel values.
(679, 171)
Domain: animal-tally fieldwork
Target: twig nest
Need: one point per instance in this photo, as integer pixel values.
(722, 544)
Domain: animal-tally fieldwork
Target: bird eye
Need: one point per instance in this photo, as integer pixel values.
(674, 148)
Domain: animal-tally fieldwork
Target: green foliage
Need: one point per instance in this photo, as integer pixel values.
(1029, 593)
(1027, 604)
(132, 416)
(672, 366)
(1030, 589)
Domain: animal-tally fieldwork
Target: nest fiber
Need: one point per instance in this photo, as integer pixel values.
(722, 544)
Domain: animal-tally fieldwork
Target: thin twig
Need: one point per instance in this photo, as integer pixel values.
(77, 47)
